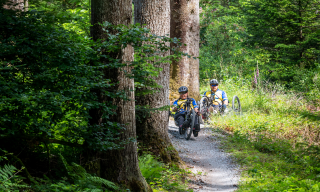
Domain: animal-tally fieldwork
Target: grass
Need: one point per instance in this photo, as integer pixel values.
(276, 140)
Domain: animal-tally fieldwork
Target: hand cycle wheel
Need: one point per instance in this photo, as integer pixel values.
(189, 129)
(204, 108)
(236, 106)
(195, 133)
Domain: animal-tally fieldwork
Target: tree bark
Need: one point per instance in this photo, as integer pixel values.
(16, 5)
(152, 130)
(185, 25)
(121, 165)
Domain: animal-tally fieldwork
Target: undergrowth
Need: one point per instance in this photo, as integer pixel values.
(276, 139)
(77, 179)
(162, 177)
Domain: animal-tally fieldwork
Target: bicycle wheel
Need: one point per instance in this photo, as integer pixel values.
(236, 106)
(204, 108)
(189, 129)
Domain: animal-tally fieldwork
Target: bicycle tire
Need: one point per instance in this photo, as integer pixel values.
(189, 129)
(204, 107)
(236, 105)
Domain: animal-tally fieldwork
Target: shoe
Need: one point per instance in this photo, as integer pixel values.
(195, 133)
(197, 127)
(184, 126)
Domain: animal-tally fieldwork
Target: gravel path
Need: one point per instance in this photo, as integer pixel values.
(202, 154)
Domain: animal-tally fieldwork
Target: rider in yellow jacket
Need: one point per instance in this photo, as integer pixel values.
(178, 106)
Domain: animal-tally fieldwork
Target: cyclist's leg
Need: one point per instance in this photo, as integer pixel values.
(197, 124)
(179, 118)
(214, 108)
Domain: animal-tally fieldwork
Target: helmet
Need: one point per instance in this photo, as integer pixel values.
(214, 81)
(183, 89)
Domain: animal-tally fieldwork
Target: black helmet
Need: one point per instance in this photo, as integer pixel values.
(214, 82)
(183, 89)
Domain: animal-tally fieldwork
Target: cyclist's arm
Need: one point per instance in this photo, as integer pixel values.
(175, 106)
(195, 105)
(224, 98)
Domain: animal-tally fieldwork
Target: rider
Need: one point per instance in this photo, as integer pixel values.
(221, 100)
(179, 105)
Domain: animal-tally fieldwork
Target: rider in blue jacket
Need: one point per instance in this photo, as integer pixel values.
(220, 100)
(178, 106)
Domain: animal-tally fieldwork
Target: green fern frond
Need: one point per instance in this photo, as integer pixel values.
(79, 170)
(6, 172)
(78, 173)
(99, 180)
(68, 167)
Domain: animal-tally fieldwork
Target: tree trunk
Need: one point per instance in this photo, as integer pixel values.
(185, 25)
(121, 165)
(152, 130)
(16, 5)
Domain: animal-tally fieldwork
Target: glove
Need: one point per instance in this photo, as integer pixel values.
(224, 106)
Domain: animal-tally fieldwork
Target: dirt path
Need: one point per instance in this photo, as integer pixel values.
(202, 154)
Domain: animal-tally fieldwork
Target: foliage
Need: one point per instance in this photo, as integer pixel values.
(222, 54)
(161, 177)
(280, 36)
(46, 77)
(73, 15)
(288, 30)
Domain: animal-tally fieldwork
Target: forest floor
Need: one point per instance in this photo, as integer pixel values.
(213, 169)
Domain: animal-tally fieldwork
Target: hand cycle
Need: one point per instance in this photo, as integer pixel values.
(190, 117)
(206, 102)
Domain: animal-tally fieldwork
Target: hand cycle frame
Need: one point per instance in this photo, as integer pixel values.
(206, 102)
(190, 117)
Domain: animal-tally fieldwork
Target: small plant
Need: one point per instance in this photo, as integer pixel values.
(162, 177)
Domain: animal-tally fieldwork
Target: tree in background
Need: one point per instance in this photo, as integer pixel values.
(152, 127)
(185, 25)
(119, 165)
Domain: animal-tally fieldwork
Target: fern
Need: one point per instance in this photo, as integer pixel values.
(80, 175)
(99, 180)
(7, 173)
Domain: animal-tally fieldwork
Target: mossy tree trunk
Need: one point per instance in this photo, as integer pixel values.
(152, 130)
(119, 165)
(185, 25)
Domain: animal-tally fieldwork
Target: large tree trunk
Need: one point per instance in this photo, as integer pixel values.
(16, 5)
(121, 165)
(185, 25)
(152, 130)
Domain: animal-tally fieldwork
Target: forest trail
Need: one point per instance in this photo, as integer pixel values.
(202, 154)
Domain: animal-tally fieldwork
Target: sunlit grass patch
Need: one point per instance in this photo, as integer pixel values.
(264, 171)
